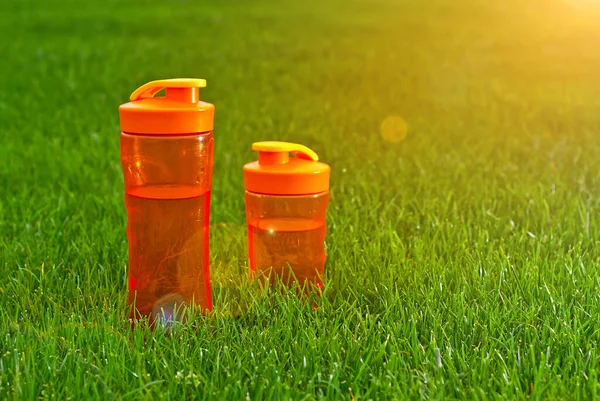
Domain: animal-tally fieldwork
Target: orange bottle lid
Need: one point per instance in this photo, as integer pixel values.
(180, 111)
(276, 173)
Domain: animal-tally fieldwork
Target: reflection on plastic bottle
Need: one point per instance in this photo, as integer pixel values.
(167, 309)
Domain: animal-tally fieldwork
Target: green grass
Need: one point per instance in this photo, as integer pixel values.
(462, 261)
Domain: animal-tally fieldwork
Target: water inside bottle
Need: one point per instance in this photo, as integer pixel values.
(168, 245)
(290, 248)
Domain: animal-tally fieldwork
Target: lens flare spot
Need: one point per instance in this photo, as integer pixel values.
(394, 129)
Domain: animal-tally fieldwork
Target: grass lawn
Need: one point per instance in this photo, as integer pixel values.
(463, 260)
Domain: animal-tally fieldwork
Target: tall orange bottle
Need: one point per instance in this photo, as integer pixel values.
(167, 157)
(286, 205)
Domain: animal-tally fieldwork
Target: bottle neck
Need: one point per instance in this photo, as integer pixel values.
(270, 158)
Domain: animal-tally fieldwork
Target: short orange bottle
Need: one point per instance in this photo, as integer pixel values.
(286, 205)
(167, 157)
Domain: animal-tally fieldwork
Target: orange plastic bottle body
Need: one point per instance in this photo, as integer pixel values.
(286, 237)
(167, 183)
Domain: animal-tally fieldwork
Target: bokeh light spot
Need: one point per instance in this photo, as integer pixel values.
(394, 129)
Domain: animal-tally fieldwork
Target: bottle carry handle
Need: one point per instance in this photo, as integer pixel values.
(273, 152)
(179, 89)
